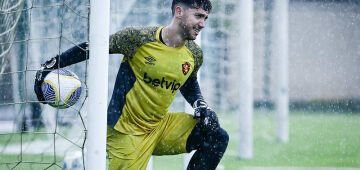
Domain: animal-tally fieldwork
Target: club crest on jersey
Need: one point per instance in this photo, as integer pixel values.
(150, 60)
(185, 67)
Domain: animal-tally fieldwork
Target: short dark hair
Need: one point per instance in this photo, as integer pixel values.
(204, 4)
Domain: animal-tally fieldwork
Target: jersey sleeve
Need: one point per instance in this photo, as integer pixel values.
(197, 54)
(121, 42)
(73, 55)
(125, 42)
(191, 89)
(128, 40)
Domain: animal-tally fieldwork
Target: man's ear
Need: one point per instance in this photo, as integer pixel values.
(179, 12)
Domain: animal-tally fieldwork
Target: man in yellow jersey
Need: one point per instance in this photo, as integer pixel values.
(158, 61)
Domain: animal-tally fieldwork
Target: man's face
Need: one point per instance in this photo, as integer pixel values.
(193, 21)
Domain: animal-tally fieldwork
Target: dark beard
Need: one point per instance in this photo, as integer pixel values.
(187, 34)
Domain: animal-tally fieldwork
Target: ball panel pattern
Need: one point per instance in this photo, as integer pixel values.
(74, 96)
(49, 91)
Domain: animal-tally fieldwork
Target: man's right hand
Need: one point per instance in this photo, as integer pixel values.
(45, 69)
(209, 122)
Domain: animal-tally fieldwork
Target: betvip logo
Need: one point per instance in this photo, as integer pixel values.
(171, 85)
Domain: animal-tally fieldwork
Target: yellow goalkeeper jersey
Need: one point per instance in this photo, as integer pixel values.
(149, 76)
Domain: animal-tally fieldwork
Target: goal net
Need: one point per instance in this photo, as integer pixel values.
(9, 17)
(33, 135)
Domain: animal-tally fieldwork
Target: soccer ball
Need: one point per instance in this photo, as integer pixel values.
(61, 88)
(73, 161)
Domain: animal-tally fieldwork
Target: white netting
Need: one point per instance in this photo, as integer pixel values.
(33, 135)
(10, 11)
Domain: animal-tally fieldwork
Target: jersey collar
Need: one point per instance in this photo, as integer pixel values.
(158, 39)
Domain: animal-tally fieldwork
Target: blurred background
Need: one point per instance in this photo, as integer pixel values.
(312, 45)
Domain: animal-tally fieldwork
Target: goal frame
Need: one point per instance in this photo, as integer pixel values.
(99, 30)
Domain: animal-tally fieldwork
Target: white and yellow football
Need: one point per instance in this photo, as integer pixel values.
(61, 88)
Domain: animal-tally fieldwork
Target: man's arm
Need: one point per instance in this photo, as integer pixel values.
(208, 120)
(191, 90)
(79, 52)
(71, 56)
(125, 41)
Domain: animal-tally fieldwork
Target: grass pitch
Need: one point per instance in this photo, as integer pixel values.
(316, 140)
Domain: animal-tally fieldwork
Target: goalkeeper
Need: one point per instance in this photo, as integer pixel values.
(158, 61)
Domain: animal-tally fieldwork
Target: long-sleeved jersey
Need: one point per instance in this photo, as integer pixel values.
(149, 76)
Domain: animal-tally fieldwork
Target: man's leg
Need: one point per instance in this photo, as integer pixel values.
(182, 133)
(129, 152)
(176, 130)
(209, 146)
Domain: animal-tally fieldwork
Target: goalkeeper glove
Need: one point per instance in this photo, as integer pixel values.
(208, 120)
(45, 69)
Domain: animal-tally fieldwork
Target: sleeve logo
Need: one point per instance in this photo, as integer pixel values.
(185, 67)
(150, 60)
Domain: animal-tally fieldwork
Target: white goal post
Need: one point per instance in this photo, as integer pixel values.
(98, 84)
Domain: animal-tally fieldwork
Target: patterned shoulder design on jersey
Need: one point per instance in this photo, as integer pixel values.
(197, 54)
(128, 40)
